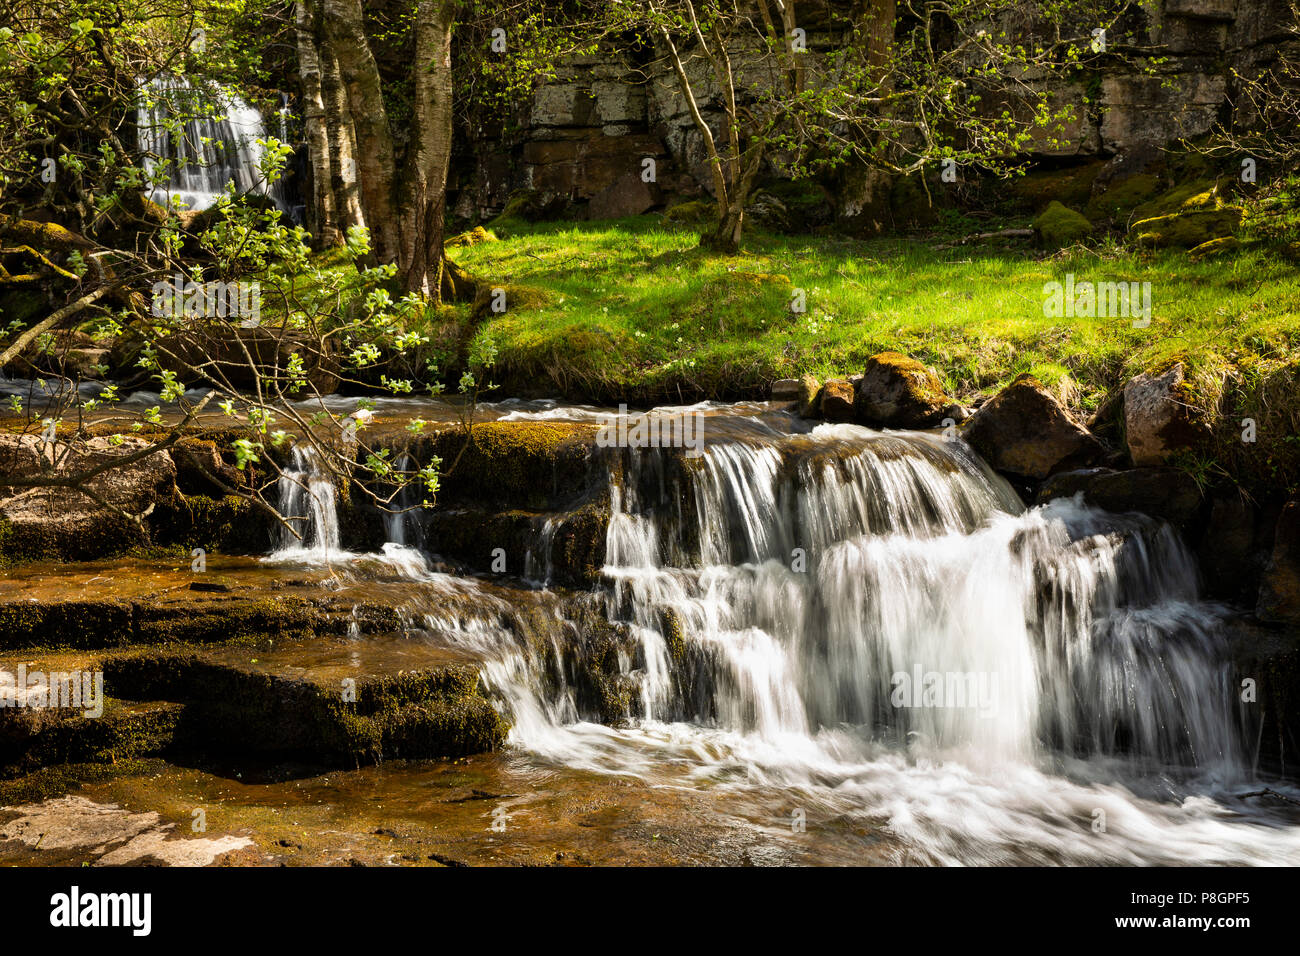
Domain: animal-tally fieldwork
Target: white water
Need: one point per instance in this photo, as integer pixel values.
(205, 152)
(807, 573)
(308, 499)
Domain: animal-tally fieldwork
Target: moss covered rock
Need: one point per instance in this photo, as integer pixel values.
(1118, 202)
(897, 391)
(1058, 225)
(1186, 229)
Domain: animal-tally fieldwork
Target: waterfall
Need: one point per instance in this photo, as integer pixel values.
(308, 501)
(871, 627)
(897, 585)
(214, 142)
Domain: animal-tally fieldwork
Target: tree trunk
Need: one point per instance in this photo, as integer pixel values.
(376, 163)
(321, 218)
(342, 142)
(424, 183)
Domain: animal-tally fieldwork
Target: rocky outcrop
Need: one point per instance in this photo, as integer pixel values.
(1027, 433)
(1160, 417)
(897, 391)
(82, 521)
(809, 392)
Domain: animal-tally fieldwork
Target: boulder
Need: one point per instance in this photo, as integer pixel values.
(1027, 433)
(837, 401)
(809, 396)
(1159, 417)
(897, 391)
(1058, 225)
(1186, 229)
(1159, 492)
(1279, 592)
(66, 522)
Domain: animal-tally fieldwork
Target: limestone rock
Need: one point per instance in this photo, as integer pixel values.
(67, 522)
(785, 390)
(1027, 433)
(1159, 418)
(809, 396)
(627, 196)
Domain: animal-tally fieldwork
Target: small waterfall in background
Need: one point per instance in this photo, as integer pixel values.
(872, 625)
(214, 143)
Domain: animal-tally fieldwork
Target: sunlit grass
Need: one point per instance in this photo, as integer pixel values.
(636, 307)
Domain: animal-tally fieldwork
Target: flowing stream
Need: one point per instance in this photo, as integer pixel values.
(870, 626)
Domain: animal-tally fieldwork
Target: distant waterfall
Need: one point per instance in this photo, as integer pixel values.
(206, 152)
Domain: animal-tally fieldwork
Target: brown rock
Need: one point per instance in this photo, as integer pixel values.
(785, 390)
(626, 196)
(1025, 432)
(837, 401)
(897, 391)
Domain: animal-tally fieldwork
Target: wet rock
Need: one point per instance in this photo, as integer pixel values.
(1026, 432)
(897, 391)
(1159, 492)
(809, 393)
(1279, 593)
(1160, 417)
(1228, 552)
(837, 401)
(785, 390)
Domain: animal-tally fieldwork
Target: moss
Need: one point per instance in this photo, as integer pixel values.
(1070, 187)
(1059, 226)
(1201, 194)
(697, 212)
(474, 237)
(1215, 247)
(1186, 229)
(34, 738)
(538, 466)
(58, 780)
(493, 300)
(1119, 201)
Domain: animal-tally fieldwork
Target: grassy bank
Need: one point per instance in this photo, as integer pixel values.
(634, 308)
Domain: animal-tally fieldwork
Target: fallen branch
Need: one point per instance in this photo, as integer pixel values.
(980, 236)
(53, 319)
(1269, 792)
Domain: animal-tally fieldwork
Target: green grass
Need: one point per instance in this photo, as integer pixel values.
(634, 310)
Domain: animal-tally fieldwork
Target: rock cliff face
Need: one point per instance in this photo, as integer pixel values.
(584, 140)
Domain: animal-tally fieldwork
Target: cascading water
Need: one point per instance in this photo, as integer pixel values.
(308, 501)
(204, 149)
(872, 626)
